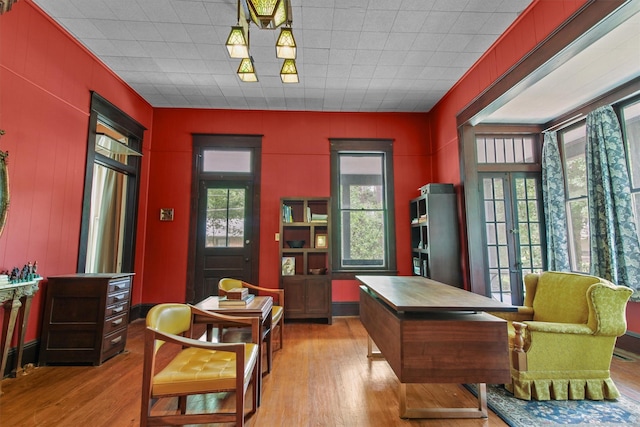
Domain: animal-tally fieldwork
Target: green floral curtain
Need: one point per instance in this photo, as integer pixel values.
(555, 213)
(615, 251)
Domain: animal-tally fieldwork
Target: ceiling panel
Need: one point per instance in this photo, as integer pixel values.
(353, 55)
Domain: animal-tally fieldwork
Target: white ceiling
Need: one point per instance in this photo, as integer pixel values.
(353, 55)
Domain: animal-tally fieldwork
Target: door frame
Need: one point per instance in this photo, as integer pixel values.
(473, 233)
(199, 143)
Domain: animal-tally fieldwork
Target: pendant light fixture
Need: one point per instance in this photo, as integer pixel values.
(269, 14)
(286, 44)
(289, 71)
(237, 44)
(265, 14)
(246, 70)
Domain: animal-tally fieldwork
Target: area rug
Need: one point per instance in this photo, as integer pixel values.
(522, 413)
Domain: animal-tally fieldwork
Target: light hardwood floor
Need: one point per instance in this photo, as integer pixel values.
(321, 377)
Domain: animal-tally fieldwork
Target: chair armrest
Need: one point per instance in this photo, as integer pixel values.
(218, 318)
(276, 291)
(190, 342)
(607, 308)
(558, 328)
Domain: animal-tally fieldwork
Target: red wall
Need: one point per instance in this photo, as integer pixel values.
(45, 84)
(295, 162)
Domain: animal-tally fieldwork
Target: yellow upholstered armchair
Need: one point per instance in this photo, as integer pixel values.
(277, 313)
(198, 367)
(563, 338)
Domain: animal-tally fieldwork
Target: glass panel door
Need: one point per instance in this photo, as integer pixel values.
(225, 243)
(513, 232)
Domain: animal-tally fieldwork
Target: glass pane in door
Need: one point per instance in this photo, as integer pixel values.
(528, 230)
(496, 235)
(225, 217)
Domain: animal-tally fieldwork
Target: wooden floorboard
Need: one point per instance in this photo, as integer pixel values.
(321, 377)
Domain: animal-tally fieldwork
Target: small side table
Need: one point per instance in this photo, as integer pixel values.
(10, 296)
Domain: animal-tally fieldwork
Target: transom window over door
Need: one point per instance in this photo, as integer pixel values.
(505, 149)
(361, 189)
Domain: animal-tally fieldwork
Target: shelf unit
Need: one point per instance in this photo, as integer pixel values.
(435, 244)
(308, 296)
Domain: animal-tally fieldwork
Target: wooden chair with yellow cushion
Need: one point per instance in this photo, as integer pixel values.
(199, 367)
(563, 338)
(277, 313)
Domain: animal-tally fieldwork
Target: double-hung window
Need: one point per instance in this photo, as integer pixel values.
(574, 140)
(631, 126)
(362, 205)
(573, 143)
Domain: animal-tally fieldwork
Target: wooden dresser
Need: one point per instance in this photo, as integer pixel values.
(85, 318)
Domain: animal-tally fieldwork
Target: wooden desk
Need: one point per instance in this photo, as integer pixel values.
(10, 295)
(430, 332)
(260, 307)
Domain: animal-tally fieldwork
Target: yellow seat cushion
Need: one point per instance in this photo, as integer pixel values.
(196, 370)
(276, 314)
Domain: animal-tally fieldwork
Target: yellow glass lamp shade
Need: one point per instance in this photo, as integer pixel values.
(268, 13)
(246, 71)
(237, 43)
(289, 71)
(286, 44)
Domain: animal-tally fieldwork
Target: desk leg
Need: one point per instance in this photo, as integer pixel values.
(374, 354)
(14, 306)
(479, 412)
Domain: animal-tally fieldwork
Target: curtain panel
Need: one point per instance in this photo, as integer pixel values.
(615, 250)
(553, 198)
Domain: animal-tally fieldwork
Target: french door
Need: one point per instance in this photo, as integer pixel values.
(513, 231)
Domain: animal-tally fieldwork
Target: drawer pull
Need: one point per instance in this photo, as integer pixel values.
(116, 322)
(119, 297)
(118, 309)
(116, 340)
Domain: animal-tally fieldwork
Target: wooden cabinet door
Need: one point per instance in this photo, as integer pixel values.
(294, 289)
(318, 296)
